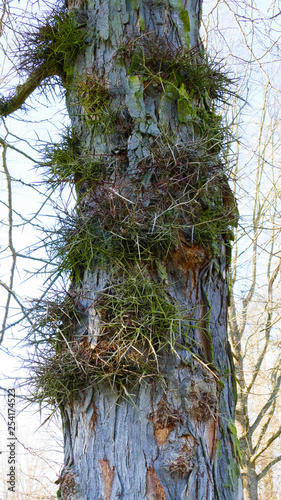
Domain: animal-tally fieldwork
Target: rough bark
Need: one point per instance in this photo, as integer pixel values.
(169, 434)
(174, 439)
(174, 442)
(250, 482)
(249, 475)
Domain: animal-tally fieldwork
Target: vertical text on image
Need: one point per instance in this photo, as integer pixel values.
(11, 445)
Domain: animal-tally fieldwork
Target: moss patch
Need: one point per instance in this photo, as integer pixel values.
(140, 324)
(184, 17)
(176, 196)
(236, 446)
(174, 203)
(65, 162)
(53, 42)
(157, 61)
(54, 320)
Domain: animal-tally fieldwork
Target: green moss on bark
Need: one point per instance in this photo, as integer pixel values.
(139, 325)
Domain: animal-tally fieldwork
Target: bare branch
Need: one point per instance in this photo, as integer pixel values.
(10, 237)
(2, 16)
(265, 427)
(268, 443)
(267, 329)
(268, 404)
(9, 105)
(268, 467)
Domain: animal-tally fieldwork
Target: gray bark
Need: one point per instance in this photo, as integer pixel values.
(175, 439)
(250, 481)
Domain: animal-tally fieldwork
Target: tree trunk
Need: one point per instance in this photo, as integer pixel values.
(159, 422)
(250, 483)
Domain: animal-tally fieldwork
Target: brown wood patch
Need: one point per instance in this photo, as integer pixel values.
(212, 432)
(163, 421)
(191, 258)
(94, 417)
(68, 486)
(107, 473)
(154, 489)
(161, 435)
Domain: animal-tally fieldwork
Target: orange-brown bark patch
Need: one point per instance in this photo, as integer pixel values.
(212, 432)
(107, 473)
(163, 421)
(94, 417)
(154, 489)
(161, 435)
(203, 335)
(191, 258)
(68, 486)
(211, 438)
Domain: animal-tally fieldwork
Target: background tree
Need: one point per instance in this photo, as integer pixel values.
(37, 464)
(135, 353)
(253, 52)
(254, 328)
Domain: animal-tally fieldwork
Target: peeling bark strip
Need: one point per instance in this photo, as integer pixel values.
(154, 490)
(141, 368)
(107, 473)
